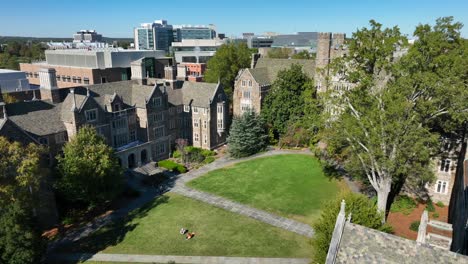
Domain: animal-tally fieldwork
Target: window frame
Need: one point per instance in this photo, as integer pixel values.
(95, 111)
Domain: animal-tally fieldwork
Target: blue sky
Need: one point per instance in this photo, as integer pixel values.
(117, 18)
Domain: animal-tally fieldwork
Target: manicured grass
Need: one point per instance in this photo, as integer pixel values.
(154, 230)
(289, 185)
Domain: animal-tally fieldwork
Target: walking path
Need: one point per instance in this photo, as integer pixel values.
(176, 259)
(271, 219)
(178, 186)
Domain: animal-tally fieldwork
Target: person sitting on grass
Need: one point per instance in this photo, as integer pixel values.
(190, 235)
(183, 231)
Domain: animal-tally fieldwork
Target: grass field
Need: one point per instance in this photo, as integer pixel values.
(289, 185)
(155, 230)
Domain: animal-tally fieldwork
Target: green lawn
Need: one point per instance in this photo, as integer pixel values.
(289, 185)
(155, 230)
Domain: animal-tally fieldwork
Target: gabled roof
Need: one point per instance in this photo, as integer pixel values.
(37, 117)
(360, 244)
(266, 70)
(199, 93)
(195, 93)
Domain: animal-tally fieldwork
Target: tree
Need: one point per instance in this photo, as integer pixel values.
(363, 212)
(247, 135)
(286, 102)
(90, 172)
(20, 173)
(279, 53)
(20, 178)
(20, 242)
(304, 55)
(226, 63)
(382, 130)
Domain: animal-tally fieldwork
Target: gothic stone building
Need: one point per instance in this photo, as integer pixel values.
(140, 118)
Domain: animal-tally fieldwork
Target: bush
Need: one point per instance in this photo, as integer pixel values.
(435, 215)
(172, 166)
(403, 204)
(364, 212)
(440, 204)
(176, 154)
(414, 226)
(430, 206)
(209, 159)
(207, 153)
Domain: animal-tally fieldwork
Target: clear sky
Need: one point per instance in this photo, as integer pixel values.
(117, 18)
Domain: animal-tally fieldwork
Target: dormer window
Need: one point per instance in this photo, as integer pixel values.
(157, 101)
(187, 108)
(91, 115)
(117, 107)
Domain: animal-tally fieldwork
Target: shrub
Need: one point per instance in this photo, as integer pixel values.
(435, 215)
(364, 212)
(430, 206)
(172, 166)
(403, 204)
(414, 226)
(440, 204)
(176, 154)
(207, 153)
(209, 159)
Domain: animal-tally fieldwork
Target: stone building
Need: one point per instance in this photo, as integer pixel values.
(353, 243)
(140, 118)
(252, 84)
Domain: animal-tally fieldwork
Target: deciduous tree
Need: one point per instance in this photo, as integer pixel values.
(89, 169)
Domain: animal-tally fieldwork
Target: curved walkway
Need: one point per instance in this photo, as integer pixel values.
(177, 259)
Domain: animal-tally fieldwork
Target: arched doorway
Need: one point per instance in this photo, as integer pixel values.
(131, 161)
(144, 156)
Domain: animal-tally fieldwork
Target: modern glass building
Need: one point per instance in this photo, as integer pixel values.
(185, 32)
(154, 36)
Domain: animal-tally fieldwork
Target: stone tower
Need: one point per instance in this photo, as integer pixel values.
(48, 85)
(337, 46)
(323, 49)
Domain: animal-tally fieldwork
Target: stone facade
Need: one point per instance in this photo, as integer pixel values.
(141, 119)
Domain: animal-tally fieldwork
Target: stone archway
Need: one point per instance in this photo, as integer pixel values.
(131, 161)
(144, 156)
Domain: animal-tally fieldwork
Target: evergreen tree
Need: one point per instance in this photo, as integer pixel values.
(247, 135)
(89, 169)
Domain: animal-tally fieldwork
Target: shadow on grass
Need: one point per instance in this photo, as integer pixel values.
(108, 235)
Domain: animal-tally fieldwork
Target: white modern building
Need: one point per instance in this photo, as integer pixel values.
(195, 50)
(13, 81)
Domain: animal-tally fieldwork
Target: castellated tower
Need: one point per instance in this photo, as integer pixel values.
(323, 49)
(48, 85)
(337, 47)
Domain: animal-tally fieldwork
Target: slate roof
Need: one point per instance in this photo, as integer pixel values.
(360, 244)
(37, 117)
(199, 93)
(267, 69)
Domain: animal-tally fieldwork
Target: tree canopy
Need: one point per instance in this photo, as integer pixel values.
(20, 179)
(363, 212)
(226, 63)
(288, 100)
(89, 169)
(383, 129)
(247, 135)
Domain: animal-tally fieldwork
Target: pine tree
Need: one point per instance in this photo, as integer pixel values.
(247, 135)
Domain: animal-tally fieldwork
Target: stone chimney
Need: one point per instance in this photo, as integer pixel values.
(253, 62)
(48, 85)
(138, 70)
(181, 72)
(170, 72)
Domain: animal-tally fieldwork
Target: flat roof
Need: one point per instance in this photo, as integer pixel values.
(8, 71)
